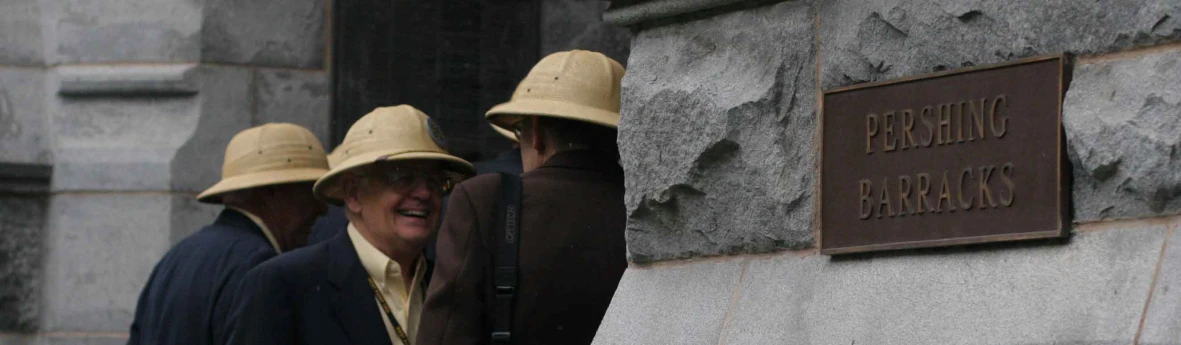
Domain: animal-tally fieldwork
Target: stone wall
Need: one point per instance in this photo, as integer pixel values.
(132, 104)
(719, 144)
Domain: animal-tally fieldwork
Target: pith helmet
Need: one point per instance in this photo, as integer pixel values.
(388, 134)
(577, 85)
(506, 133)
(274, 153)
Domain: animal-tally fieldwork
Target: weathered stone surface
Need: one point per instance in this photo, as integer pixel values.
(867, 41)
(264, 33)
(225, 100)
(117, 143)
(717, 134)
(20, 33)
(673, 304)
(1162, 323)
(135, 30)
(578, 24)
(23, 131)
(100, 249)
(21, 227)
(1090, 291)
(1123, 129)
(297, 97)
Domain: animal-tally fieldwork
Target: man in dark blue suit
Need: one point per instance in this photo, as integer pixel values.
(266, 187)
(365, 285)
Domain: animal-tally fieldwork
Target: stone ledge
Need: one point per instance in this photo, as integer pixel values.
(25, 178)
(126, 80)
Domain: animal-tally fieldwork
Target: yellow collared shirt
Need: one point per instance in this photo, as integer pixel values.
(261, 225)
(406, 304)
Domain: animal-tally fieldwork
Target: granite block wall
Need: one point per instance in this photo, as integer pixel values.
(719, 144)
(131, 104)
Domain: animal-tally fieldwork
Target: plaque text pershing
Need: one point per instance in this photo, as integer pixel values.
(950, 158)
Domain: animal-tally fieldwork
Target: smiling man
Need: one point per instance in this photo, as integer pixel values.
(364, 285)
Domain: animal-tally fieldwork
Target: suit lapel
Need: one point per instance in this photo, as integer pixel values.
(355, 305)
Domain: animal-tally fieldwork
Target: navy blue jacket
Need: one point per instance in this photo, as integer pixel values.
(329, 225)
(318, 294)
(189, 295)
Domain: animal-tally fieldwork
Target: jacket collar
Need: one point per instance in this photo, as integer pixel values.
(513, 155)
(235, 219)
(354, 302)
(584, 160)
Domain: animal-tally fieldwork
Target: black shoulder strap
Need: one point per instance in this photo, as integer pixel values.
(508, 218)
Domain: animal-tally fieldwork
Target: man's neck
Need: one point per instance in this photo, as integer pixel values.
(404, 254)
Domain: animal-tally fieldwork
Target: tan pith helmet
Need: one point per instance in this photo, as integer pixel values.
(507, 134)
(274, 153)
(388, 134)
(577, 85)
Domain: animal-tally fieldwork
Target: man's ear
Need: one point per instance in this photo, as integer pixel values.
(350, 189)
(539, 141)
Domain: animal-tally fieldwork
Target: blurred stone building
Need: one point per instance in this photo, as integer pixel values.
(114, 114)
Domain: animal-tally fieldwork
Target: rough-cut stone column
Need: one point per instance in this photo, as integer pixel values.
(717, 135)
(1133, 104)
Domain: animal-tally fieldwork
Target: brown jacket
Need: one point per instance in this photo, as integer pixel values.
(571, 256)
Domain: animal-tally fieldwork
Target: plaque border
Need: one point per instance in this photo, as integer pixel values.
(1063, 185)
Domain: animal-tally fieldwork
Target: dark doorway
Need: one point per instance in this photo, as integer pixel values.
(452, 59)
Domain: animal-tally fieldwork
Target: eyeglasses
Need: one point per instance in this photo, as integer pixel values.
(518, 128)
(404, 179)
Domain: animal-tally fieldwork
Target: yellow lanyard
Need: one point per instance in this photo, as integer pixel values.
(385, 307)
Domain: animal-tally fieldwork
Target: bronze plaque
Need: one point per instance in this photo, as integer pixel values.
(957, 157)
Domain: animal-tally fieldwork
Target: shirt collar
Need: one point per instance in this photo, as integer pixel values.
(380, 267)
(261, 225)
